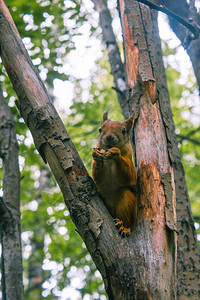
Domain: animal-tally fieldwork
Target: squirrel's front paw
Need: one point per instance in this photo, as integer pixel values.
(113, 153)
(122, 230)
(97, 154)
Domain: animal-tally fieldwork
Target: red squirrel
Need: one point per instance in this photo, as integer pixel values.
(114, 172)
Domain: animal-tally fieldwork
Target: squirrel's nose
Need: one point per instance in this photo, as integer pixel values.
(110, 140)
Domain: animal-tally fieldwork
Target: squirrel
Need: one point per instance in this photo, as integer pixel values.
(114, 173)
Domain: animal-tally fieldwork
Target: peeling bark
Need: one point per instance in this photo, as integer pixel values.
(12, 283)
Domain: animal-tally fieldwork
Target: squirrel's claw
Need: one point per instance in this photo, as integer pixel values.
(122, 230)
(118, 223)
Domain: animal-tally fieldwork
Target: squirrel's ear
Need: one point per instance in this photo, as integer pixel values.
(129, 123)
(105, 116)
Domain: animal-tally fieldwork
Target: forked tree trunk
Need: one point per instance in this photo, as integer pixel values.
(144, 265)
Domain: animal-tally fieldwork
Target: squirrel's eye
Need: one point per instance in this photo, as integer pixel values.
(100, 130)
(124, 131)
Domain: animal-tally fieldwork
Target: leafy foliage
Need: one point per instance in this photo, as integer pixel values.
(42, 24)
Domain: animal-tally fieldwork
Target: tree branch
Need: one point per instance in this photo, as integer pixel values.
(185, 137)
(194, 28)
(193, 132)
(34, 287)
(181, 32)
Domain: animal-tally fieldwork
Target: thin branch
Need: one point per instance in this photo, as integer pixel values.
(35, 286)
(193, 28)
(193, 132)
(184, 137)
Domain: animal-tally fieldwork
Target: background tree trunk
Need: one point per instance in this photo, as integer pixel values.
(12, 283)
(35, 271)
(117, 67)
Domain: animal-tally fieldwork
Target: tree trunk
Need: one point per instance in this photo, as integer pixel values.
(12, 283)
(155, 173)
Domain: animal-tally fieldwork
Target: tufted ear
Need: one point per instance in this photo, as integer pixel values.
(105, 116)
(129, 123)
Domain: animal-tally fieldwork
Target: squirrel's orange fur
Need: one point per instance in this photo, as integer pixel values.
(114, 172)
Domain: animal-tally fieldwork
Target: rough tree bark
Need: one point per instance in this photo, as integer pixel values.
(188, 250)
(12, 283)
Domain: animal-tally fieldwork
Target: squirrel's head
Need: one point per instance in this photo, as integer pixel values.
(114, 134)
